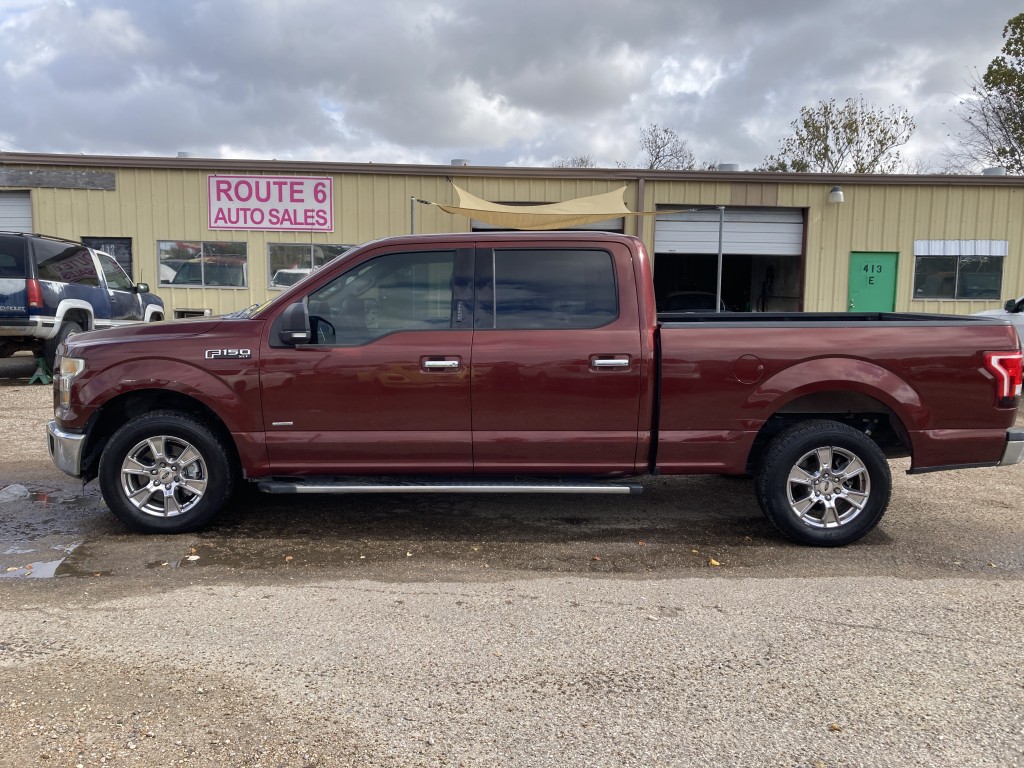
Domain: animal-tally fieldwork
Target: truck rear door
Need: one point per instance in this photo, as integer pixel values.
(557, 360)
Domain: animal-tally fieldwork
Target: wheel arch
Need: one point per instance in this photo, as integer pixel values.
(73, 311)
(862, 411)
(122, 408)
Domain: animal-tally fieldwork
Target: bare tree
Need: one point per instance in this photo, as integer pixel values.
(993, 115)
(854, 137)
(665, 150)
(576, 161)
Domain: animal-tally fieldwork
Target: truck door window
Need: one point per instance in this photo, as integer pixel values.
(545, 289)
(394, 292)
(116, 278)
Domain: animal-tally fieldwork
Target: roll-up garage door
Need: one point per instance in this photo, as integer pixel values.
(748, 231)
(15, 212)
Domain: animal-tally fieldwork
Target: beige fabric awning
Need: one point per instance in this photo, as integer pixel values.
(571, 213)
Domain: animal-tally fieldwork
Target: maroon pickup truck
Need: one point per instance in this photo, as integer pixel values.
(510, 362)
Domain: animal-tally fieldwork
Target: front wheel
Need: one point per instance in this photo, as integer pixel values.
(823, 483)
(165, 472)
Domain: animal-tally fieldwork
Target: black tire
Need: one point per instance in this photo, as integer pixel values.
(67, 329)
(141, 462)
(823, 483)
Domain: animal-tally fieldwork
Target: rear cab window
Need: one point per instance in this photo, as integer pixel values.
(542, 288)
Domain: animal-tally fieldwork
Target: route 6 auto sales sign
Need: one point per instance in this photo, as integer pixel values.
(297, 203)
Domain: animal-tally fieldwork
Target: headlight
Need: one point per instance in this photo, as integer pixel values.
(70, 367)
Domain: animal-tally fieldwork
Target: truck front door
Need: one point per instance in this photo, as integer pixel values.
(384, 384)
(557, 363)
(125, 302)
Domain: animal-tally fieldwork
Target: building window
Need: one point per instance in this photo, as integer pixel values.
(958, 269)
(290, 262)
(200, 263)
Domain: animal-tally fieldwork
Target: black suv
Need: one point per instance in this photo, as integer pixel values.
(51, 288)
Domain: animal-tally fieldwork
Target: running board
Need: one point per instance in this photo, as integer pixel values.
(372, 485)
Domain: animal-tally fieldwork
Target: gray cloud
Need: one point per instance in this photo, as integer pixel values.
(500, 82)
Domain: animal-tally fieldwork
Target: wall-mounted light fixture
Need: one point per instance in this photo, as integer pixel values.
(835, 195)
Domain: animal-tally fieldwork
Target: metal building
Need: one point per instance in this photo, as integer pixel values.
(214, 235)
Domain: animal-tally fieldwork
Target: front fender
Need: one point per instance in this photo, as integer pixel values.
(232, 394)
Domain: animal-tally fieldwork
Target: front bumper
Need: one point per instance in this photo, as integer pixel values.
(1013, 453)
(66, 449)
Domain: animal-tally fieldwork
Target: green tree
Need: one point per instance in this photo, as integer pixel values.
(853, 137)
(993, 115)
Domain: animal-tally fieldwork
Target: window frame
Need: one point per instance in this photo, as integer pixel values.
(957, 251)
(202, 257)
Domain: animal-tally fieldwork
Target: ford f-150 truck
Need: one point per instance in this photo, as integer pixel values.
(511, 362)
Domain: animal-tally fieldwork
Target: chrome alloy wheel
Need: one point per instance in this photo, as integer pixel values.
(828, 487)
(164, 476)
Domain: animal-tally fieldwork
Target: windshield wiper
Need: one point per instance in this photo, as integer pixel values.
(244, 313)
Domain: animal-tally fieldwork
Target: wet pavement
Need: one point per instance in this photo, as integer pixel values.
(677, 526)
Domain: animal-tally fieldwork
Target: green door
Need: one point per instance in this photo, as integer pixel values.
(872, 282)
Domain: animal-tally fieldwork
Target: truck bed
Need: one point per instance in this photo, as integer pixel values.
(822, 318)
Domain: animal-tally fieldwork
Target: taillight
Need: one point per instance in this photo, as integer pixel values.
(1008, 368)
(35, 293)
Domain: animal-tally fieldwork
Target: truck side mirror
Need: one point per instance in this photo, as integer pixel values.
(142, 287)
(294, 327)
(1010, 305)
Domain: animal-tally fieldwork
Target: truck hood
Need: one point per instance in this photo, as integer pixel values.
(148, 332)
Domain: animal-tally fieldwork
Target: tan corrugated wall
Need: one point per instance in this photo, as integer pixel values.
(153, 204)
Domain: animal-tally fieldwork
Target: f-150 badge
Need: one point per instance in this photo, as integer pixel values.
(228, 354)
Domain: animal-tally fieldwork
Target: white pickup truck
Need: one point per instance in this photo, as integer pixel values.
(1013, 310)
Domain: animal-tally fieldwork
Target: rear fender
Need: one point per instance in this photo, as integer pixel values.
(841, 374)
(77, 310)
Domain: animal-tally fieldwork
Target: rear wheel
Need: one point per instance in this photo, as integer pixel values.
(165, 472)
(67, 329)
(823, 483)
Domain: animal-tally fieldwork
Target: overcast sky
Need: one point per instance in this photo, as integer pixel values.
(498, 82)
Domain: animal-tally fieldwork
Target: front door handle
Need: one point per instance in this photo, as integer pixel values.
(610, 362)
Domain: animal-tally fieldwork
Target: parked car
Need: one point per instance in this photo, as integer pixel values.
(52, 288)
(286, 277)
(1013, 310)
(528, 363)
(212, 270)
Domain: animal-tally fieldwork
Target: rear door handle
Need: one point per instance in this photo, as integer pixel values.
(610, 362)
(435, 364)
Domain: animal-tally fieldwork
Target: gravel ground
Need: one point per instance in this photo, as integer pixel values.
(478, 633)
